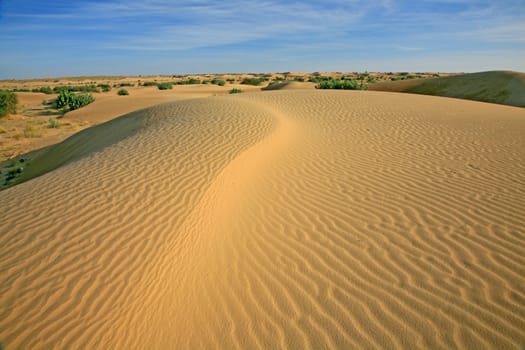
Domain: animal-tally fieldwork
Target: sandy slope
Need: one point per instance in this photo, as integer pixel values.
(108, 106)
(292, 219)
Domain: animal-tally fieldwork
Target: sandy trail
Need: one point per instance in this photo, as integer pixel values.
(286, 219)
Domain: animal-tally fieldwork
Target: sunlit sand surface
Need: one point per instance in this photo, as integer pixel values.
(281, 219)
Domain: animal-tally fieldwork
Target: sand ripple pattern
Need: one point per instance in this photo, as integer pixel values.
(284, 219)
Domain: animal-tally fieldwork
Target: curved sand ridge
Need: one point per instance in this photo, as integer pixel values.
(299, 219)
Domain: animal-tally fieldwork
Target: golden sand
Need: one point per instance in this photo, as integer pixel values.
(282, 219)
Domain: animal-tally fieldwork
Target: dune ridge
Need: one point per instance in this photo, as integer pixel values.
(283, 219)
(502, 87)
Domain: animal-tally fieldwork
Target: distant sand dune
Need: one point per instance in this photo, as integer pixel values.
(284, 219)
(503, 87)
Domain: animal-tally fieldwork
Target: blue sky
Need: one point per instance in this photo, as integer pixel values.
(132, 37)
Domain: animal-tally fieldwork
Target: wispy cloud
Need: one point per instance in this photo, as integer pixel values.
(101, 32)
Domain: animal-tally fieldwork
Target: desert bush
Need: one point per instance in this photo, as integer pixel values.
(45, 90)
(235, 91)
(150, 83)
(125, 84)
(315, 79)
(67, 98)
(165, 86)
(218, 82)
(75, 88)
(252, 81)
(190, 81)
(80, 101)
(299, 79)
(63, 98)
(339, 84)
(53, 123)
(20, 90)
(104, 87)
(8, 101)
(123, 92)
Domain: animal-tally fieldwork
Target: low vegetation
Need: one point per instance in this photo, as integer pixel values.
(253, 81)
(104, 87)
(76, 88)
(342, 84)
(53, 123)
(190, 81)
(44, 90)
(164, 86)
(8, 101)
(73, 101)
(235, 91)
(12, 171)
(123, 92)
(31, 131)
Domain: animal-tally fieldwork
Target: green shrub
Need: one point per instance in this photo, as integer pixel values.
(218, 82)
(299, 79)
(235, 91)
(8, 101)
(190, 81)
(104, 87)
(63, 98)
(45, 90)
(67, 98)
(165, 86)
(20, 90)
(125, 84)
(252, 81)
(75, 88)
(348, 84)
(123, 92)
(80, 101)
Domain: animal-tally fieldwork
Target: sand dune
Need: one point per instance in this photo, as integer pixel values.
(503, 87)
(283, 219)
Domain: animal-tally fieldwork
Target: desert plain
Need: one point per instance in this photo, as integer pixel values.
(294, 218)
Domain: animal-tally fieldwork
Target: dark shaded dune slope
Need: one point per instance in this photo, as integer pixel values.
(502, 87)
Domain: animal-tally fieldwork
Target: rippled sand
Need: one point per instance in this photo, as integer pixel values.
(283, 219)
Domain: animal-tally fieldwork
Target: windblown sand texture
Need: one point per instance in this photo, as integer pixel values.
(282, 219)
